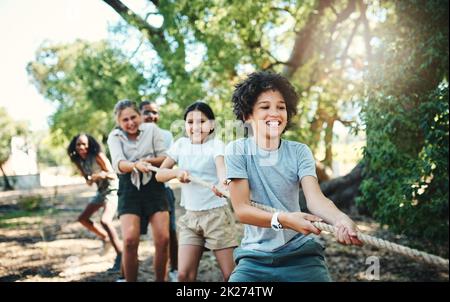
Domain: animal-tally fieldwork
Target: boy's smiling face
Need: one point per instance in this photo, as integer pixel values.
(269, 115)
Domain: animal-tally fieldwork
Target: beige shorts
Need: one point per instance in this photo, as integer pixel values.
(214, 229)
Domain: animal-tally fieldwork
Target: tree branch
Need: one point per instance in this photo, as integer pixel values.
(303, 46)
(334, 10)
(283, 9)
(271, 65)
(345, 123)
(345, 13)
(137, 49)
(154, 35)
(350, 39)
(340, 17)
(367, 31)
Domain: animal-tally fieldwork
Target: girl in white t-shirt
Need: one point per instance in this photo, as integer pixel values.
(208, 222)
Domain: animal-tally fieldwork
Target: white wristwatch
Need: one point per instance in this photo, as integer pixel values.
(276, 225)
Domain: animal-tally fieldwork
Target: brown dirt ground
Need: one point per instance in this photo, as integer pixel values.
(54, 247)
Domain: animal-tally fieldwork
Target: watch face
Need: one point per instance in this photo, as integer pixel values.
(277, 226)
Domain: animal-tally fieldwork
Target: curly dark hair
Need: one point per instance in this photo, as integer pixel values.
(94, 148)
(247, 92)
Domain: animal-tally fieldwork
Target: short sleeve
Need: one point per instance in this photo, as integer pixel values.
(173, 151)
(218, 148)
(306, 163)
(168, 137)
(159, 144)
(235, 160)
(115, 149)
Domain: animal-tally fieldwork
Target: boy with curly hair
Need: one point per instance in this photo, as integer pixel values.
(269, 170)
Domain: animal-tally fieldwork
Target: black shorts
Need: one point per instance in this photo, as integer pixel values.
(146, 201)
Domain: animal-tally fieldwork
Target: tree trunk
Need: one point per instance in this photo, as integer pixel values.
(328, 161)
(304, 41)
(342, 191)
(323, 174)
(7, 186)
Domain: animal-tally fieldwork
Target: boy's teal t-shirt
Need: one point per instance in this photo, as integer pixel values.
(274, 180)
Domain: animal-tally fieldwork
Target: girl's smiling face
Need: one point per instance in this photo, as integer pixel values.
(129, 120)
(198, 126)
(82, 146)
(269, 116)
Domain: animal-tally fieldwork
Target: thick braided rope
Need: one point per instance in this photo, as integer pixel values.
(380, 243)
(367, 239)
(384, 244)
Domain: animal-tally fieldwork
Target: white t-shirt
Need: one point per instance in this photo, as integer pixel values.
(199, 160)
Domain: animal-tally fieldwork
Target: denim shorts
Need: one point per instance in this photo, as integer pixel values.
(304, 264)
(108, 196)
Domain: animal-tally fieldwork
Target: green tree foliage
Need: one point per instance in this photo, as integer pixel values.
(322, 46)
(407, 117)
(85, 80)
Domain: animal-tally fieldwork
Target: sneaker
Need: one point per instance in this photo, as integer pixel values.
(121, 279)
(173, 276)
(117, 263)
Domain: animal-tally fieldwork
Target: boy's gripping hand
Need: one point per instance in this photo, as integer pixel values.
(346, 231)
(300, 222)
